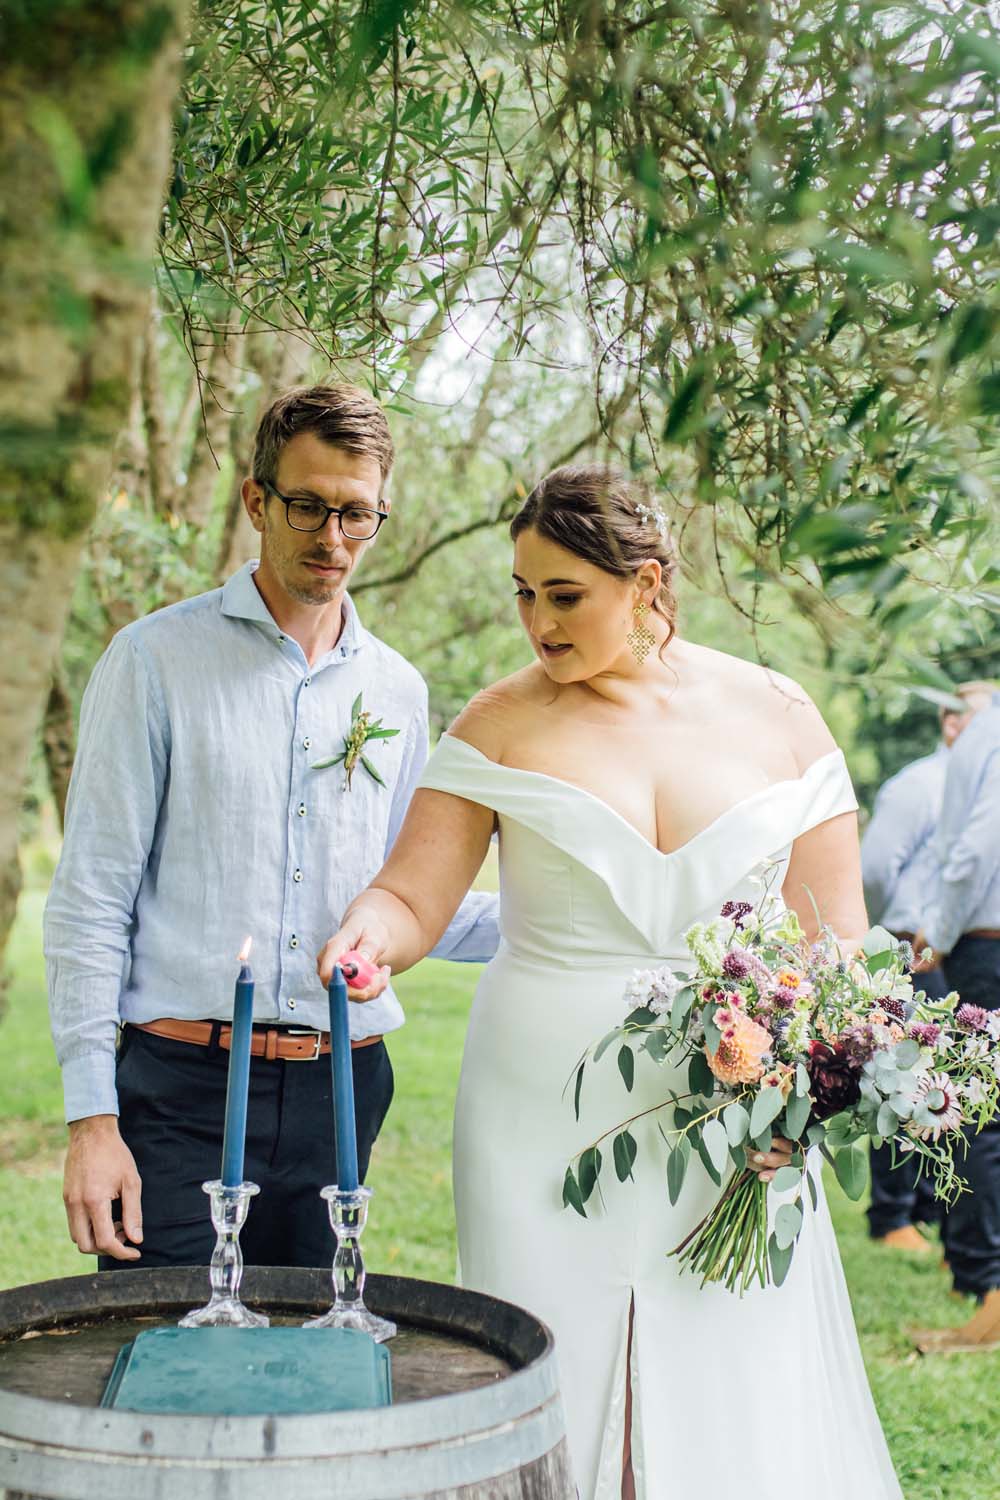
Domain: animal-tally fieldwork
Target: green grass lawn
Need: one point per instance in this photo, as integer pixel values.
(941, 1415)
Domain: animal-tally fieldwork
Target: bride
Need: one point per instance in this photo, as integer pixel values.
(637, 782)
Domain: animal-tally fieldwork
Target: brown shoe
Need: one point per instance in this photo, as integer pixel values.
(982, 1331)
(906, 1238)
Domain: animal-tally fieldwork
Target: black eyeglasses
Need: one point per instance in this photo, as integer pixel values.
(359, 522)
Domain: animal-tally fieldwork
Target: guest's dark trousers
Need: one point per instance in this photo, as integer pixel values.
(171, 1099)
(899, 1195)
(971, 1231)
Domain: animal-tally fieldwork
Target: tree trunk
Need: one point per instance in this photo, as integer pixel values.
(159, 439)
(59, 740)
(85, 112)
(213, 432)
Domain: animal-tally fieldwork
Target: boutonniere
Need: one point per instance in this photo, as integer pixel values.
(363, 729)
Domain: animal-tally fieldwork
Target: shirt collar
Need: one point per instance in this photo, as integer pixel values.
(241, 600)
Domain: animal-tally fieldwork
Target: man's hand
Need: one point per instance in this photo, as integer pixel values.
(361, 933)
(99, 1169)
(922, 965)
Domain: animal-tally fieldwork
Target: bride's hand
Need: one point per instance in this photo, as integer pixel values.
(768, 1162)
(359, 934)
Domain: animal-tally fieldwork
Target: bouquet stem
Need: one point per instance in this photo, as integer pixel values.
(730, 1243)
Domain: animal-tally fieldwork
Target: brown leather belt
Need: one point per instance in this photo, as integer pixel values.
(986, 932)
(275, 1043)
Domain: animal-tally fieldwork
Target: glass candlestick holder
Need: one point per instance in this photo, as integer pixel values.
(348, 1213)
(230, 1206)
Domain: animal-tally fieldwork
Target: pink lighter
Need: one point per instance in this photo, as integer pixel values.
(357, 970)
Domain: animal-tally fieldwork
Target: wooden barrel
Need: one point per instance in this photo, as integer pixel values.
(476, 1411)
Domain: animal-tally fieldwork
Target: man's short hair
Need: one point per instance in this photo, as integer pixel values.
(344, 416)
(976, 694)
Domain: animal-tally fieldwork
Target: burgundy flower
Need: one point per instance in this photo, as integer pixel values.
(925, 1032)
(973, 1017)
(858, 1044)
(737, 910)
(735, 965)
(833, 1077)
(893, 1007)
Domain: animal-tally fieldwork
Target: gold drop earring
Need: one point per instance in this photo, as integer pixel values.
(640, 638)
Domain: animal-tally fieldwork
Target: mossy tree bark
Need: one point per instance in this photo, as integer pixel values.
(86, 97)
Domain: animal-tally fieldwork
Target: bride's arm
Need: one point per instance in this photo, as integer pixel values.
(418, 890)
(825, 868)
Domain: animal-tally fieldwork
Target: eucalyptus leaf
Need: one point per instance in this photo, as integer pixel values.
(797, 1111)
(886, 1123)
(578, 1088)
(626, 1065)
(851, 1167)
(571, 1195)
(681, 1007)
(736, 1120)
(803, 1083)
(716, 1142)
(786, 1178)
(814, 1195)
(588, 1171)
(779, 1259)
(677, 1163)
(606, 1042)
(766, 1108)
(701, 1079)
(787, 1223)
(713, 1036)
(624, 1151)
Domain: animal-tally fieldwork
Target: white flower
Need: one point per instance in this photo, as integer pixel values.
(655, 988)
(993, 1025)
(976, 1047)
(975, 1091)
(929, 1122)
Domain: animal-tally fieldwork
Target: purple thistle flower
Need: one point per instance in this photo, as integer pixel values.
(737, 910)
(783, 998)
(925, 1032)
(735, 965)
(973, 1017)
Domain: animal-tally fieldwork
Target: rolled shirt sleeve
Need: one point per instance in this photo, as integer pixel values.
(969, 851)
(114, 797)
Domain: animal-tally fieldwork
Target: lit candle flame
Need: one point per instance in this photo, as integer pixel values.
(243, 956)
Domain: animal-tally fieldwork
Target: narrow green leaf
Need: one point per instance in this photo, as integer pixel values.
(626, 1065)
(588, 1171)
(625, 1150)
(381, 734)
(371, 770)
(677, 1164)
(356, 706)
(571, 1194)
(812, 1190)
(605, 1043)
(779, 1258)
(578, 1088)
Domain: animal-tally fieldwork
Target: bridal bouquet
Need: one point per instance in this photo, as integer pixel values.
(777, 1037)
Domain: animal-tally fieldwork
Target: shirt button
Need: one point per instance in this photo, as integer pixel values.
(306, 743)
(291, 1005)
(297, 876)
(301, 809)
(281, 638)
(306, 681)
(293, 941)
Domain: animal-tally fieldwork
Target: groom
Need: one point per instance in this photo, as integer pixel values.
(204, 806)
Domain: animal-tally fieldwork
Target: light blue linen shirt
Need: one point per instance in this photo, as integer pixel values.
(966, 895)
(898, 862)
(196, 816)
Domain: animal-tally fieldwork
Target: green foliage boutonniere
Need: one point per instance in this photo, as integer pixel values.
(363, 728)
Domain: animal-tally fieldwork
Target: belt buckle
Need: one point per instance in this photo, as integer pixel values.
(305, 1031)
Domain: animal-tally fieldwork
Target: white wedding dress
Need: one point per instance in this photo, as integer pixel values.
(732, 1399)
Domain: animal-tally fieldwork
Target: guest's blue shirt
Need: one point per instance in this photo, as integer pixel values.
(196, 816)
(967, 844)
(898, 861)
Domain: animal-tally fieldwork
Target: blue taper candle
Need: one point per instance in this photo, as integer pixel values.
(238, 1084)
(345, 1131)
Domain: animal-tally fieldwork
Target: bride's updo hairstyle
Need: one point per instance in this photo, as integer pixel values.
(607, 518)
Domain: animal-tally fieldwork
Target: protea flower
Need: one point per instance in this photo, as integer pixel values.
(945, 1115)
(743, 1046)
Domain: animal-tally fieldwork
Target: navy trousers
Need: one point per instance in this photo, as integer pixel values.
(899, 1196)
(171, 1099)
(971, 1230)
